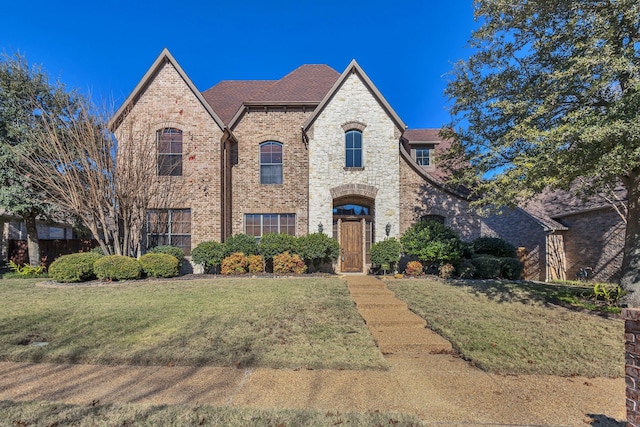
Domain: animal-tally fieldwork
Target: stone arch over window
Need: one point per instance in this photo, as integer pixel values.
(271, 162)
(353, 125)
(363, 190)
(169, 149)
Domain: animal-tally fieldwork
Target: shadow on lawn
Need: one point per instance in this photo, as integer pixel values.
(600, 420)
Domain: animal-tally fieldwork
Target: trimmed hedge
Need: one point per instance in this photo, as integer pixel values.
(286, 263)
(241, 243)
(208, 254)
(117, 267)
(159, 265)
(487, 267)
(272, 244)
(431, 241)
(494, 246)
(386, 251)
(175, 251)
(74, 267)
(317, 249)
(511, 268)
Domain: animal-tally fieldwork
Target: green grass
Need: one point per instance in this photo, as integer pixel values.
(517, 328)
(279, 323)
(60, 415)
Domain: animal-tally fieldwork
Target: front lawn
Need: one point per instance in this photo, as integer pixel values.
(517, 328)
(278, 323)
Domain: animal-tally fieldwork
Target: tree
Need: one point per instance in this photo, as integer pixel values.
(550, 98)
(25, 94)
(108, 183)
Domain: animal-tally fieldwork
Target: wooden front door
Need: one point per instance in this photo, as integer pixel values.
(351, 244)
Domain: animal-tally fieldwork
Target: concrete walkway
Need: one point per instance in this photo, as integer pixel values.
(423, 380)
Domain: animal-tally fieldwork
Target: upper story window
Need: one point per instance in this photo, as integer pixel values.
(169, 152)
(423, 156)
(271, 163)
(353, 149)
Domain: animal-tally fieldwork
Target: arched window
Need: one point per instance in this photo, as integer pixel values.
(271, 163)
(353, 149)
(169, 152)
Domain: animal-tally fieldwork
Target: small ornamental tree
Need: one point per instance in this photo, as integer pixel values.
(385, 252)
(432, 241)
(317, 249)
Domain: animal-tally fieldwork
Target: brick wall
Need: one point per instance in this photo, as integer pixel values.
(596, 240)
(167, 101)
(632, 364)
(248, 195)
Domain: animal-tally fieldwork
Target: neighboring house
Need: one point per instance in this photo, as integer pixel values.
(314, 150)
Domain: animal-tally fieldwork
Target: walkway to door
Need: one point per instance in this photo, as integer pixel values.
(423, 379)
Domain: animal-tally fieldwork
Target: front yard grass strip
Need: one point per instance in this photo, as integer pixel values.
(517, 328)
(278, 323)
(61, 415)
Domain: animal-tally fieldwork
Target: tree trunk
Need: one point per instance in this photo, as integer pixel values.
(631, 262)
(33, 244)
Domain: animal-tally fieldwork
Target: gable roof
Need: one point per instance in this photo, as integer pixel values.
(355, 69)
(417, 136)
(227, 97)
(162, 59)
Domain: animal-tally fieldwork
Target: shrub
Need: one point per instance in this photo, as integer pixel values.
(256, 264)
(159, 265)
(27, 271)
(175, 251)
(74, 267)
(511, 268)
(273, 244)
(487, 267)
(493, 246)
(385, 252)
(317, 249)
(241, 243)
(414, 268)
(117, 267)
(208, 254)
(446, 271)
(236, 263)
(432, 241)
(465, 269)
(286, 263)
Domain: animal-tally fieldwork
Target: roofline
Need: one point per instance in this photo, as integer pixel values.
(164, 57)
(545, 227)
(607, 206)
(353, 67)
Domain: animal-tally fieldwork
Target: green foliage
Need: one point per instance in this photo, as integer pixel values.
(511, 268)
(241, 243)
(74, 267)
(487, 267)
(174, 251)
(414, 268)
(610, 294)
(159, 265)
(272, 244)
(446, 271)
(317, 249)
(432, 241)
(256, 264)
(285, 263)
(385, 252)
(236, 263)
(493, 246)
(465, 269)
(208, 254)
(27, 270)
(117, 267)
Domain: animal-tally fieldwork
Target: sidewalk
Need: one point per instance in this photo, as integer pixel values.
(423, 380)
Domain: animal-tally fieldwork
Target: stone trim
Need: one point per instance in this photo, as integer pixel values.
(354, 125)
(631, 318)
(354, 189)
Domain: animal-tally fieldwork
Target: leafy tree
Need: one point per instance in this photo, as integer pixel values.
(25, 95)
(385, 252)
(550, 98)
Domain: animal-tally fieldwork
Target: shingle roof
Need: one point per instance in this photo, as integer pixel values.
(306, 84)
(422, 135)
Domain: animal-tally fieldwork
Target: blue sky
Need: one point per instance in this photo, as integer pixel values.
(406, 47)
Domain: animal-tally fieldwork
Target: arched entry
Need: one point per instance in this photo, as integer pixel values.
(353, 228)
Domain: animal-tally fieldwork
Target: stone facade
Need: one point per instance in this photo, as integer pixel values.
(632, 364)
(354, 102)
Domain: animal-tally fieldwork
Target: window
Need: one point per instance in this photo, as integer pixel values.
(422, 156)
(353, 144)
(169, 227)
(259, 224)
(271, 163)
(169, 152)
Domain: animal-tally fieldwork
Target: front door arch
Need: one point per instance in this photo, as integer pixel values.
(352, 219)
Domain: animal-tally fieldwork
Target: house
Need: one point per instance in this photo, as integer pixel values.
(316, 150)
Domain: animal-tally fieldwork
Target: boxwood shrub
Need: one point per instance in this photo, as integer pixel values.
(511, 268)
(208, 254)
(272, 244)
(117, 267)
(494, 246)
(169, 250)
(487, 267)
(159, 265)
(241, 243)
(74, 267)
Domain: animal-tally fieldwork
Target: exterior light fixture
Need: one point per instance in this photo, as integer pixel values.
(387, 229)
(320, 227)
